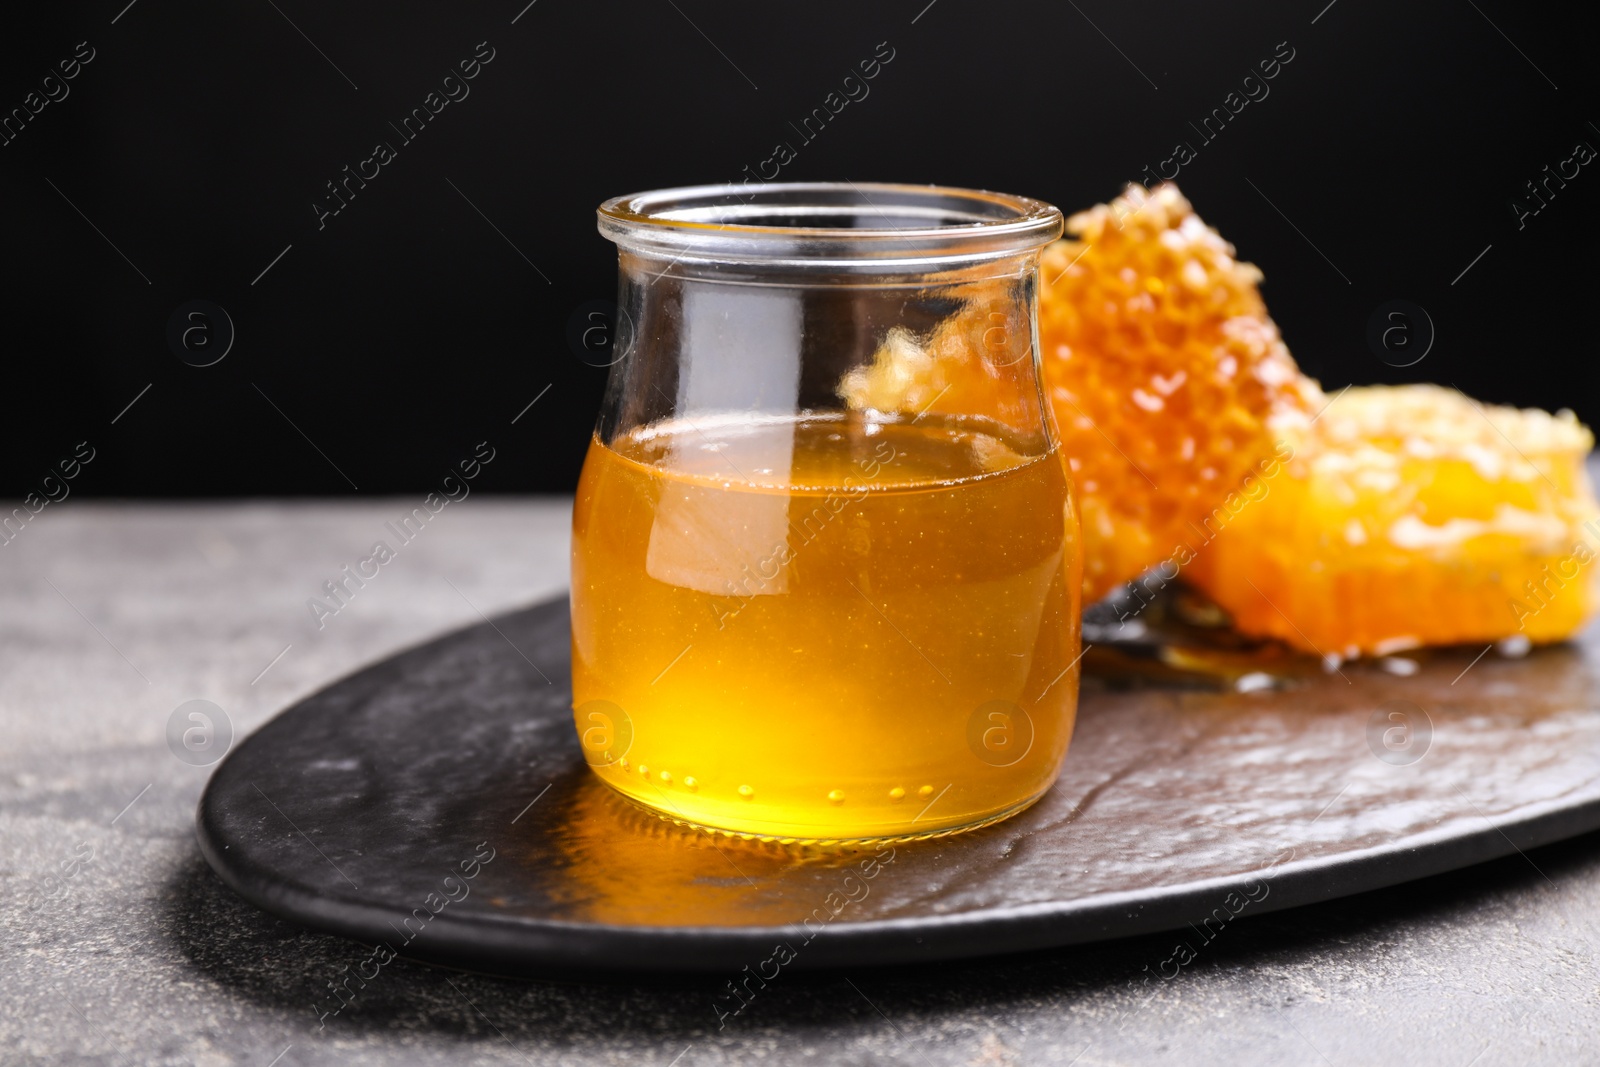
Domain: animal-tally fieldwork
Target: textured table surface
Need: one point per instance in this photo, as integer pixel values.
(118, 945)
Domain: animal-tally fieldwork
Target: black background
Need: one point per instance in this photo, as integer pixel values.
(408, 329)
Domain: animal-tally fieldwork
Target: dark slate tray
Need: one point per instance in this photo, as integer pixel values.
(362, 810)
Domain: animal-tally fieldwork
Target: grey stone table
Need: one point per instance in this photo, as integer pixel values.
(119, 946)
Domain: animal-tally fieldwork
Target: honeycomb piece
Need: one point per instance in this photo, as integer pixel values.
(1411, 515)
(1160, 363)
(1163, 369)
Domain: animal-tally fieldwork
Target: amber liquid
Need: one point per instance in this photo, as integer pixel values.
(824, 628)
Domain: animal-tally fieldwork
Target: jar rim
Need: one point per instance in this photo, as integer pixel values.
(837, 224)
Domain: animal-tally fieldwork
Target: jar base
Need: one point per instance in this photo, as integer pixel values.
(830, 842)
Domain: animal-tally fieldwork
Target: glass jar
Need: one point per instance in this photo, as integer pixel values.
(825, 559)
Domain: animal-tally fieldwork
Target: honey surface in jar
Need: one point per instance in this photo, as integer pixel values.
(825, 628)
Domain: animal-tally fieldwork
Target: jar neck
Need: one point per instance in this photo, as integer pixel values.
(648, 268)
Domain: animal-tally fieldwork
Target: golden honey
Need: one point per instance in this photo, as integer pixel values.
(825, 627)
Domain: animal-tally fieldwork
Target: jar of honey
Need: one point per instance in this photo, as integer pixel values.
(798, 615)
